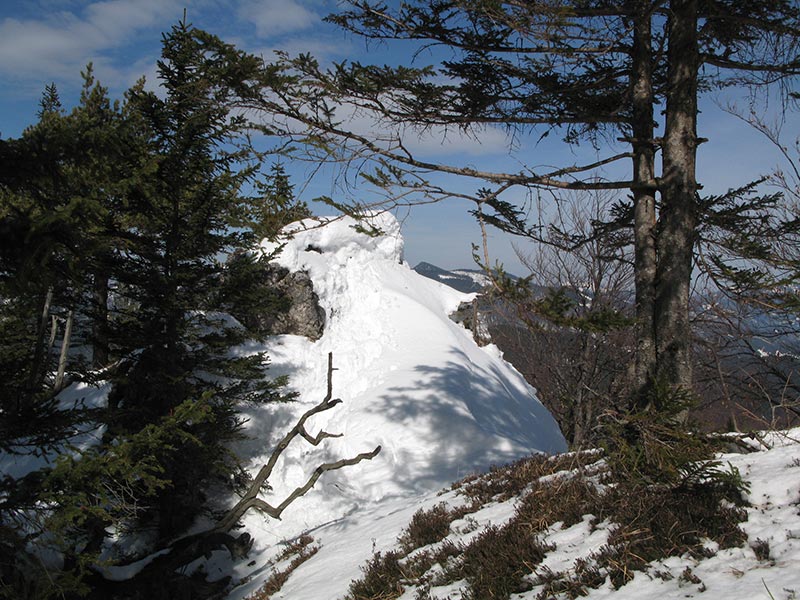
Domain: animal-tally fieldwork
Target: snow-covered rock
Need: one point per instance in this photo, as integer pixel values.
(410, 379)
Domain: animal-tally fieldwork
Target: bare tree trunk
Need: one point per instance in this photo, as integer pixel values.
(678, 190)
(53, 331)
(62, 359)
(644, 205)
(39, 354)
(100, 322)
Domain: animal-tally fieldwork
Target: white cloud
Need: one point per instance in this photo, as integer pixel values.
(440, 141)
(276, 17)
(123, 17)
(431, 143)
(63, 42)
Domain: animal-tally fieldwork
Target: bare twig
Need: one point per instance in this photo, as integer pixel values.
(189, 548)
(250, 498)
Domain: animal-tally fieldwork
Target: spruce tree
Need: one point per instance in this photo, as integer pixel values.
(276, 205)
(122, 213)
(47, 226)
(62, 208)
(36, 258)
(179, 226)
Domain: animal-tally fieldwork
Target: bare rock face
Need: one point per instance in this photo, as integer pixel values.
(301, 314)
(472, 315)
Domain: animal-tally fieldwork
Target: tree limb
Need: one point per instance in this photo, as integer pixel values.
(276, 511)
(189, 548)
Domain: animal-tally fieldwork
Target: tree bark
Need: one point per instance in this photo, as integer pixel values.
(677, 222)
(62, 358)
(38, 364)
(644, 203)
(53, 332)
(100, 351)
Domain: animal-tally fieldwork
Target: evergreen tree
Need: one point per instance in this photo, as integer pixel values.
(39, 279)
(35, 257)
(111, 156)
(61, 209)
(120, 213)
(277, 205)
(178, 226)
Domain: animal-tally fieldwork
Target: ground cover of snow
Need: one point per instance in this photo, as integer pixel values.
(773, 474)
(773, 522)
(441, 407)
(411, 381)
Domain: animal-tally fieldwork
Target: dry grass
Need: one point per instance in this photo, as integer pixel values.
(655, 516)
(382, 578)
(300, 550)
(507, 481)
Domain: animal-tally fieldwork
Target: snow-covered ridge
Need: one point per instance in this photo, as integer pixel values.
(411, 380)
(477, 276)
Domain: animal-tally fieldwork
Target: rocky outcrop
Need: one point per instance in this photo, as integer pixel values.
(301, 313)
(471, 316)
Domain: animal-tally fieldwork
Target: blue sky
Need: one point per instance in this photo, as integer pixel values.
(43, 41)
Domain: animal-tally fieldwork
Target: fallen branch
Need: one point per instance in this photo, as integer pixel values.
(275, 511)
(250, 498)
(189, 548)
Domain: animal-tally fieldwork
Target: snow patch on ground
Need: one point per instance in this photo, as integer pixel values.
(773, 475)
(477, 276)
(22, 461)
(737, 573)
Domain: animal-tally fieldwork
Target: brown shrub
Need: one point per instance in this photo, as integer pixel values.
(660, 487)
(497, 562)
(427, 527)
(302, 551)
(381, 579)
(658, 523)
(508, 481)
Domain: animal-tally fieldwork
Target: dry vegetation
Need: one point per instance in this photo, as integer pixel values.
(297, 552)
(693, 502)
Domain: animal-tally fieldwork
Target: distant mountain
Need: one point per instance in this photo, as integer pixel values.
(463, 280)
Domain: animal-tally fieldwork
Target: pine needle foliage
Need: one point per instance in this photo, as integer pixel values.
(122, 213)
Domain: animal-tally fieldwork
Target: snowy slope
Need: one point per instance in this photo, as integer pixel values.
(411, 380)
(772, 473)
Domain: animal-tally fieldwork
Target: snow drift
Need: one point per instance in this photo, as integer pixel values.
(410, 379)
